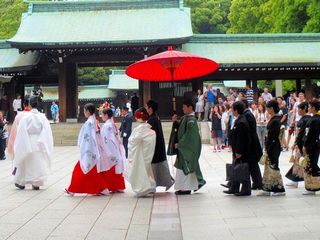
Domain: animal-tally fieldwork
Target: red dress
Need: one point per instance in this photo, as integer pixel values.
(94, 182)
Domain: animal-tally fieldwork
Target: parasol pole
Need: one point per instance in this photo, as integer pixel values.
(174, 107)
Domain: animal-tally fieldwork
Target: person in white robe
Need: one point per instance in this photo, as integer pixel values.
(113, 151)
(33, 147)
(14, 128)
(140, 153)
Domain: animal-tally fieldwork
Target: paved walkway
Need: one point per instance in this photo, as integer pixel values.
(208, 214)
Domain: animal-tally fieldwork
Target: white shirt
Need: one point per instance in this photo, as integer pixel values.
(16, 104)
(266, 96)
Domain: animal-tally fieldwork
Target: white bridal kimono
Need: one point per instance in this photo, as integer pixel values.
(113, 151)
(140, 153)
(33, 147)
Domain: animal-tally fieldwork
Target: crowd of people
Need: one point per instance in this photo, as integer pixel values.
(248, 129)
(254, 132)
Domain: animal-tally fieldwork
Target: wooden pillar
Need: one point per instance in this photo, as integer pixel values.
(62, 78)
(308, 89)
(146, 88)
(255, 90)
(278, 88)
(68, 92)
(248, 82)
(72, 92)
(298, 85)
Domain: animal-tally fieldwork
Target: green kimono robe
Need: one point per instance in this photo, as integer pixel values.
(189, 147)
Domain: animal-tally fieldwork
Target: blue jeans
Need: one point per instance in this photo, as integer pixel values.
(261, 131)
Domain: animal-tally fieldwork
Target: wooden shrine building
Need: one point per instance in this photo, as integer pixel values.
(55, 38)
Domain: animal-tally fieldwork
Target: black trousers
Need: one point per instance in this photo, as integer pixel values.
(125, 144)
(255, 174)
(3, 144)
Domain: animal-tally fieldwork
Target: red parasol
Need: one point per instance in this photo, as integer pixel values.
(171, 66)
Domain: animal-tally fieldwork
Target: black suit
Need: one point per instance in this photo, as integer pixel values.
(125, 131)
(241, 142)
(256, 151)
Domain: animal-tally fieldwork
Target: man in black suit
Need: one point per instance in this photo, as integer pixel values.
(241, 140)
(125, 128)
(256, 151)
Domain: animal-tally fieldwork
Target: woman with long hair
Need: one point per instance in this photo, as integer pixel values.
(261, 118)
(200, 104)
(216, 117)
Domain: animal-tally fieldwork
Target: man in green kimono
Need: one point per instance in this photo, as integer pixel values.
(188, 174)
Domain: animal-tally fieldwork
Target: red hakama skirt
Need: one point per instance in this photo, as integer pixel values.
(94, 182)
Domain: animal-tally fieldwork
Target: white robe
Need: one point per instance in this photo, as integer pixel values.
(33, 147)
(140, 153)
(89, 143)
(113, 151)
(13, 133)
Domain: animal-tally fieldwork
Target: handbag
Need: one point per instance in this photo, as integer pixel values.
(240, 172)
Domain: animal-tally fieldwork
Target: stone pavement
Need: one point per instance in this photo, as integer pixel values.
(208, 214)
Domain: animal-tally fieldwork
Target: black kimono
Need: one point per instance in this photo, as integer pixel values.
(296, 172)
(312, 147)
(272, 179)
(159, 162)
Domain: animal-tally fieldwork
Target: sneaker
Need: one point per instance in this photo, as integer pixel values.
(19, 186)
(278, 194)
(219, 149)
(214, 150)
(285, 149)
(292, 184)
(35, 187)
(263, 193)
(309, 193)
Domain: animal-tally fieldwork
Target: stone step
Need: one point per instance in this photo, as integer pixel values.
(66, 134)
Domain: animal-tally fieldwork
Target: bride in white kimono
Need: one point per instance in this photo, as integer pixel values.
(140, 153)
(33, 147)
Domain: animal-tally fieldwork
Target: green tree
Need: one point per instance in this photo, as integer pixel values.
(10, 17)
(209, 16)
(93, 75)
(313, 24)
(244, 16)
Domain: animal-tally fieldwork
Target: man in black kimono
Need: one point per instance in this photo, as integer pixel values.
(125, 128)
(241, 142)
(159, 164)
(256, 151)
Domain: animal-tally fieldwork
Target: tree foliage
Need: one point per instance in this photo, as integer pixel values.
(274, 16)
(10, 17)
(209, 16)
(93, 75)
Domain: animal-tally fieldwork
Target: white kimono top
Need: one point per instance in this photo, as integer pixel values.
(113, 152)
(88, 143)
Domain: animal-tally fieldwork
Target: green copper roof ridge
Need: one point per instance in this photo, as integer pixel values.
(273, 37)
(96, 5)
